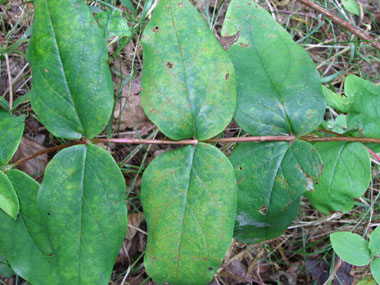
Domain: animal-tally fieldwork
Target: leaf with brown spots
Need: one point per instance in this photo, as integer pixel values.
(272, 177)
(188, 80)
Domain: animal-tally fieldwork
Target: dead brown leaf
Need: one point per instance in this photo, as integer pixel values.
(28, 147)
(129, 108)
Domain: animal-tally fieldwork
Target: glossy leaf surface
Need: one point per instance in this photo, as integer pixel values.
(189, 201)
(8, 199)
(188, 80)
(72, 91)
(363, 111)
(82, 201)
(271, 179)
(277, 92)
(351, 247)
(23, 242)
(346, 175)
(10, 135)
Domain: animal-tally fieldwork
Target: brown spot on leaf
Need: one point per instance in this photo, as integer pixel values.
(180, 4)
(167, 7)
(151, 110)
(117, 202)
(204, 259)
(242, 45)
(154, 258)
(263, 210)
(240, 181)
(210, 268)
(169, 65)
(156, 29)
(46, 70)
(240, 168)
(227, 76)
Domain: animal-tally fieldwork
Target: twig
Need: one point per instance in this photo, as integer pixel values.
(195, 142)
(47, 150)
(8, 72)
(144, 141)
(346, 25)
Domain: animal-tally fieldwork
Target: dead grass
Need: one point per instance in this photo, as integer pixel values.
(302, 255)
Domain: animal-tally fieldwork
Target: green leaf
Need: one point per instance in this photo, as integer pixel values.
(363, 111)
(368, 280)
(375, 269)
(10, 135)
(4, 103)
(72, 90)
(374, 242)
(351, 247)
(346, 175)
(113, 24)
(20, 240)
(27, 190)
(271, 178)
(8, 198)
(278, 87)
(188, 83)
(129, 5)
(82, 201)
(189, 201)
(351, 6)
(337, 101)
(5, 270)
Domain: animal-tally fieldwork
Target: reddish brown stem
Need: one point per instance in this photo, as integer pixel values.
(50, 149)
(346, 25)
(195, 142)
(339, 139)
(144, 141)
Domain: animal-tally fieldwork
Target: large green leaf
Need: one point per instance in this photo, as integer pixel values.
(271, 178)
(82, 201)
(351, 247)
(72, 91)
(8, 198)
(23, 242)
(10, 135)
(278, 87)
(346, 175)
(189, 201)
(364, 113)
(188, 80)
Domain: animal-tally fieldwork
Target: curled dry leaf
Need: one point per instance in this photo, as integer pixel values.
(28, 147)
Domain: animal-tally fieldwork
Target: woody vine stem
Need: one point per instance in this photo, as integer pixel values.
(290, 138)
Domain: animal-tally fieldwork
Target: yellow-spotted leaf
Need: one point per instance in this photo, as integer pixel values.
(189, 201)
(82, 202)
